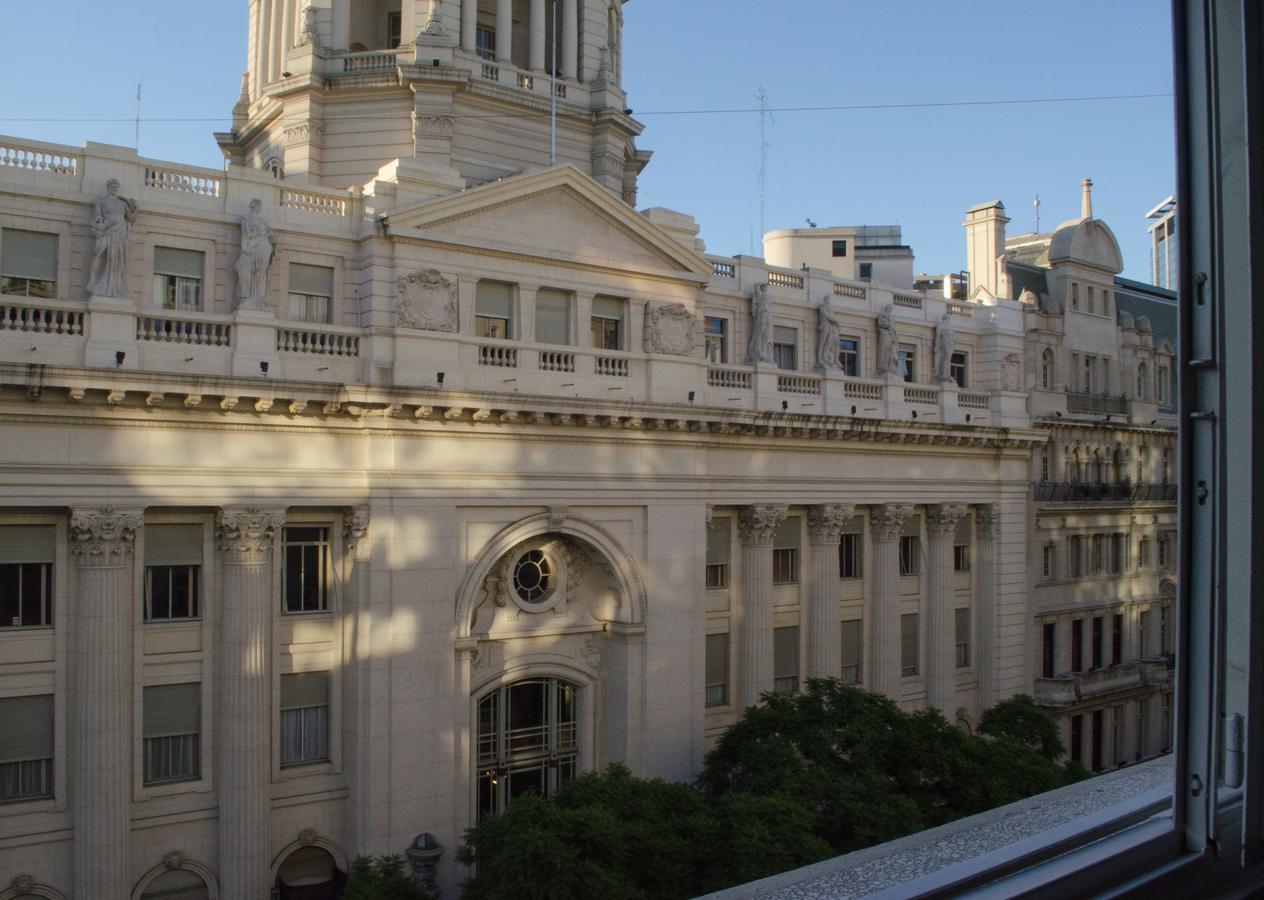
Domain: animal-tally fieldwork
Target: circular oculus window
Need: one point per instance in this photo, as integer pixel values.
(533, 577)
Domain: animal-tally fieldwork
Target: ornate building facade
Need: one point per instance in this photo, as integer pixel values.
(342, 505)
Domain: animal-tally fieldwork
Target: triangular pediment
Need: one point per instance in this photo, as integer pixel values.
(556, 214)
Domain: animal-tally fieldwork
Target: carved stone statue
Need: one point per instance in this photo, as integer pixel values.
(944, 336)
(257, 241)
(888, 345)
(759, 348)
(434, 22)
(310, 35)
(670, 329)
(112, 219)
(827, 336)
(1012, 372)
(426, 301)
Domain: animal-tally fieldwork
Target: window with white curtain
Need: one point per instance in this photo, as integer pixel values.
(178, 279)
(172, 716)
(853, 651)
(785, 660)
(311, 293)
(304, 718)
(717, 669)
(28, 263)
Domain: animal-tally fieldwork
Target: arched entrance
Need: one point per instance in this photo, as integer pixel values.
(527, 741)
(309, 873)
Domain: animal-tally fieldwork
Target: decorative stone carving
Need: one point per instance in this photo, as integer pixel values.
(887, 521)
(889, 345)
(310, 36)
(758, 524)
(987, 520)
(257, 241)
(355, 527)
(592, 654)
(308, 132)
(1012, 372)
(941, 520)
(112, 219)
(828, 325)
(424, 856)
(307, 837)
(944, 338)
(433, 125)
(246, 535)
(426, 301)
(759, 347)
(22, 884)
(103, 537)
(710, 516)
(434, 20)
(825, 522)
(670, 329)
(173, 860)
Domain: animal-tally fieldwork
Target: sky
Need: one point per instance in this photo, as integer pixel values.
(910, 162)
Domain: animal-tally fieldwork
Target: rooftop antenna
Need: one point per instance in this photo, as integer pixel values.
(1036, 204)
(137, 136)
(553, 96)
(764, 115)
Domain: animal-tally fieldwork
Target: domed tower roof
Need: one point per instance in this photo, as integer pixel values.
(1144, 326)
(1126, 320)
(1086, 240)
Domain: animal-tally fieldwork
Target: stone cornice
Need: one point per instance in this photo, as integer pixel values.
(103, 537)
(246, 535)
(758, 525)
(825, 522)
(941, 520)
(887, 521)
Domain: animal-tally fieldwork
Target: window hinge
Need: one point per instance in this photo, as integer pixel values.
(1233, 765)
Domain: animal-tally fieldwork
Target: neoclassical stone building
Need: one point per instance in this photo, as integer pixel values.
(334, 521)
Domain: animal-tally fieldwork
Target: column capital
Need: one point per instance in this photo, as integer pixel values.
(941, 520)
(103, 537)
(758, 524)
(246, 534)
(987, 518)
(825, 522)
(355, 528)
(887, 520)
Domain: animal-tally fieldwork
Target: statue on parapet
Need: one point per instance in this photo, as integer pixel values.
(112, 219)
(257, 242)
(944, 337)
(827, 334)
(889, 364)
(759, 347)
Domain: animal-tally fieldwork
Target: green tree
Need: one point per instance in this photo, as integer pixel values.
(380, 878)
(1021, 719)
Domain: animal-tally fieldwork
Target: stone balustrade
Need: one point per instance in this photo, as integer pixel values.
(1075, 687)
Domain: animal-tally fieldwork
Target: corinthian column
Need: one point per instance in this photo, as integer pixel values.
(102, 542)
(758, 527)
(986, 527)
(941, 528)
(825, 652)
(244, 769)
(885, 523)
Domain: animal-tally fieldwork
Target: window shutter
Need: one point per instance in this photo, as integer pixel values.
(494, 300)
(853, 642)
(717, 658)
(908, 641)
(785, 652)
(173, 545)
(552, 317)
(784, 335)
(28, 543)
(172, 709)
(28, 728)
(185, 263)
(607, 308)
(787, 534)
(718, 541)
(961, 620)
(317, 281)
(28, 254)
(305, 689)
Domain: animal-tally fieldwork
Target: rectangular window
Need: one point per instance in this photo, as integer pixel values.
(311, 293)
(785, 552)
(493, 310)
(1098, 735)
(1090, 370)
(958, 365)
(178, 279)
(1076, 372)
(173, 570)
(962, 628)
(1143, 553)
(1116, 553)
(1090, 300)
(1161, 386)
(1077, 645)
(961, 546)
(607, 323)
(785, 346)
(1165, 629)
(485, 42)
(28, 263)
(717, 669)
(785, 660)
(172, 731)
(853, 651)
(850, 548)
(908, 644)
(910, 554)
(718, 548)
(1049, 561)
(1098, 543)
(838, 248)
(26, 575)
(1077, 739)
(1049, 659)
(849, 356)
(1075, 296)
(1167, 723)
(865, 271)
(26, 748)
(306, 571)
(304, 718)
(394, 29)
(717, 340)
(552, 316)
(1143, 726)
(1075, 553)
(1143, 636)
(908, 362)
(1117, 640)
(1098, 637)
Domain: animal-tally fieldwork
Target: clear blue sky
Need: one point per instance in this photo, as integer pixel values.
(920, 168)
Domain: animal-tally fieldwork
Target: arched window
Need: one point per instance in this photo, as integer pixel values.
(1143, 464)
(1046, 369)
(309, 873)
(177, 884)
(1120, 467)
(1075, 474)
(528, 741)
(1143, 382)
(275, 167)
(1100, 466)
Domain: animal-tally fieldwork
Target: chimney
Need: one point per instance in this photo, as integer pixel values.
(985, 245)
(1086, 204)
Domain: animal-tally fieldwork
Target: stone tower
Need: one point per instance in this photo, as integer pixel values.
(460, 91)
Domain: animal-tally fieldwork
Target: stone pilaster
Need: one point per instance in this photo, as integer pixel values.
(886, 523)
(986, 530)
(758, 527)
(102, 542)
(825, 526)
(941, 529)
(244, 770)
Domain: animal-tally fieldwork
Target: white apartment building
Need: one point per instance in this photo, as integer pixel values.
(334, 521)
